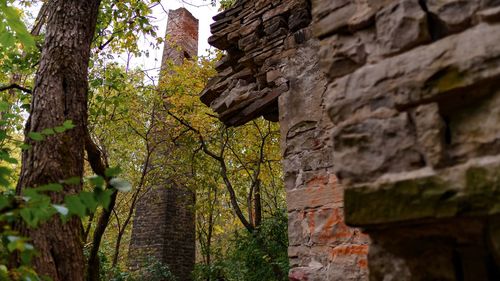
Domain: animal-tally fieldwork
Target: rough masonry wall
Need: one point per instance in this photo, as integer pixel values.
(406, 115)
(254, 35)
(271, 68)
(414, 96)
(164, 221)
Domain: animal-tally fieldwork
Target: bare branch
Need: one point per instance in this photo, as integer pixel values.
(15, 86)
(219, 158)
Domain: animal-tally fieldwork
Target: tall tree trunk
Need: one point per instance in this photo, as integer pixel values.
(59, 94)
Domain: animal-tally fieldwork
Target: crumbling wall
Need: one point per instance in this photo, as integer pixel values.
(164, 221)
(413, 91)
(399, 100)
(271, 68)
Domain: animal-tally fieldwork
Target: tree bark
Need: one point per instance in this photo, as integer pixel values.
(93, 264)
(59, 94)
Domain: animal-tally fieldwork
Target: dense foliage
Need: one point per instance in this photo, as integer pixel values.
(252, 256)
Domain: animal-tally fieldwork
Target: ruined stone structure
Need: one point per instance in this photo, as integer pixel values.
(164, 222)
(399, 100)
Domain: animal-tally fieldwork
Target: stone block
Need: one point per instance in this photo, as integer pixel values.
(469, 189)
(453, 15)
(249, 28)
(299, 18)
(317, 192)
(297, 229)
(401, 26)
(342, 55)
(367, 149)
(489, 15)
(353, 254)
(440, 72)
(473, 127)
(430, 130)
(336, 20)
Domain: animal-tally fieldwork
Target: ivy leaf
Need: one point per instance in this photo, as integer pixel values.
(120, 184)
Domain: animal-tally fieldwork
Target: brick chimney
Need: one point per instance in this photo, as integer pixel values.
(164, 221)
(181, 40)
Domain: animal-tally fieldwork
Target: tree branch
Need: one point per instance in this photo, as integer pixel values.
(15, 86)
(224, 175)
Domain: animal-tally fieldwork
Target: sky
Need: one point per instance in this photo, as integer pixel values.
(201, 9)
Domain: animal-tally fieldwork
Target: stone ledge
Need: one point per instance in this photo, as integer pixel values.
(470, 189)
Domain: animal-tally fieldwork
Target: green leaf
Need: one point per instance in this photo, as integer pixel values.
(26, 257)
(120, 184)
(112, 172)
(89, 200)
(73, 181)
(4, 106)
(59, 129)
(97, 181)
(11, 160)
(4, 202)
(14, 22)
(35, 136)
(103, 197)
(68, 124)
(28, 217)
(25, 146)
(15, 243)
(50, 187)
(7, 40)
(48, 131)
(75, 205)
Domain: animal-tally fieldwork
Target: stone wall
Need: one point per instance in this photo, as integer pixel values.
(399, 100)
(271, 69)
(413, 91)
(164, 221)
